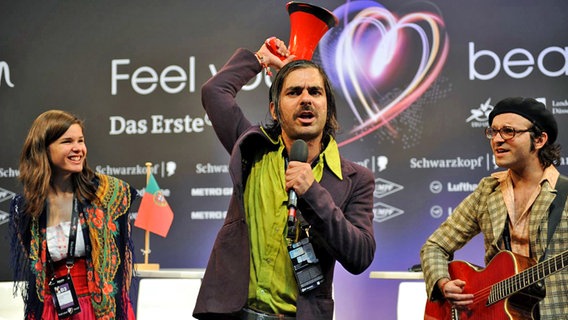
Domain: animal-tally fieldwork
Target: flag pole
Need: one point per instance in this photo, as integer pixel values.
(146, 251)
(147, 233)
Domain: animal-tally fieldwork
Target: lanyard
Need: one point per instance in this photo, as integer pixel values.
(72, 236)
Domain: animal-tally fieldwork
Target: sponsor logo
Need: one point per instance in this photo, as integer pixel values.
(457, 163)
(208, 215)
(163, 169)
(211, 192)
(480, 116)
(436, 212)
(157, 124)
(382, 162)
(559, 106)
(9, 173)
(376, 163)
(208, 168)
(518, 63)
(171, 167)
(436, 186)
(384, 187)
(461, 187)
(5, 74)
(383, 212)
(5, 198)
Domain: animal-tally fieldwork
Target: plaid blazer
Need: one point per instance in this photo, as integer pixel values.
(484, 211)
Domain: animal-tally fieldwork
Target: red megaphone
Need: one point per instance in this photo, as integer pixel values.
(308, 24)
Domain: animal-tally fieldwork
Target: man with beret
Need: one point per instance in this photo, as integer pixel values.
(511, 208)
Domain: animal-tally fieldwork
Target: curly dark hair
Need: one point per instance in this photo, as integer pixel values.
(549, 154)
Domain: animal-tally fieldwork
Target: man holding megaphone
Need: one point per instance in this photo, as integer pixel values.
(297, 205)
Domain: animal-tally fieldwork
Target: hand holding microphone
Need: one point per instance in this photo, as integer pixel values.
(299, 177)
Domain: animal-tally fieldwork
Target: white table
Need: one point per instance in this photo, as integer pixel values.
(171, 273)
(167, 293)
(412, 297)
(396, 275)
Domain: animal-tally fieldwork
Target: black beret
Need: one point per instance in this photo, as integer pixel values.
(530, 109)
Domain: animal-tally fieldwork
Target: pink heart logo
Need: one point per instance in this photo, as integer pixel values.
(373, 54)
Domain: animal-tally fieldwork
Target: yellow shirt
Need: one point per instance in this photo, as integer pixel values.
(272, 286)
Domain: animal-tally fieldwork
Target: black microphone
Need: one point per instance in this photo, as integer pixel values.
(299, 152)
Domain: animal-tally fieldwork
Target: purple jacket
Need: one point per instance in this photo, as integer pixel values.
(339, 211)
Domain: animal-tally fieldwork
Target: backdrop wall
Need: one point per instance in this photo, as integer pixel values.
(415, 81)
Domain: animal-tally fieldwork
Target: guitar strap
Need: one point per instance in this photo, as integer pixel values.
(555, 213)
(556, 208)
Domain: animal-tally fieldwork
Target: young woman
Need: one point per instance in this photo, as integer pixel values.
(69, 229)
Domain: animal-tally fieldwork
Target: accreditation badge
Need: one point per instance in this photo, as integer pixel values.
(64, 296)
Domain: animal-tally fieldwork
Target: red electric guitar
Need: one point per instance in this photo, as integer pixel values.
(501, 291)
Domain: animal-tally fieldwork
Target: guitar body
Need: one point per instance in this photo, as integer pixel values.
(521, 305)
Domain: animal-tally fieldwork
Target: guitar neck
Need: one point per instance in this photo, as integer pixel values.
(527, 277)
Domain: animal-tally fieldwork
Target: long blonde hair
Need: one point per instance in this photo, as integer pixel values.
(35, 165)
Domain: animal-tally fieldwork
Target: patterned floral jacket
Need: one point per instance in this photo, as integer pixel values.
(109, 262)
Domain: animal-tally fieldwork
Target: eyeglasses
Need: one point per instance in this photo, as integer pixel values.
(506, 133)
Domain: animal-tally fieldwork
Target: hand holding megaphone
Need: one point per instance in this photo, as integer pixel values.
(273, 54)
(277, 47)
(308, 24)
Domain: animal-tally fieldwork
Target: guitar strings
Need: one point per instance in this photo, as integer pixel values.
(523, 279)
